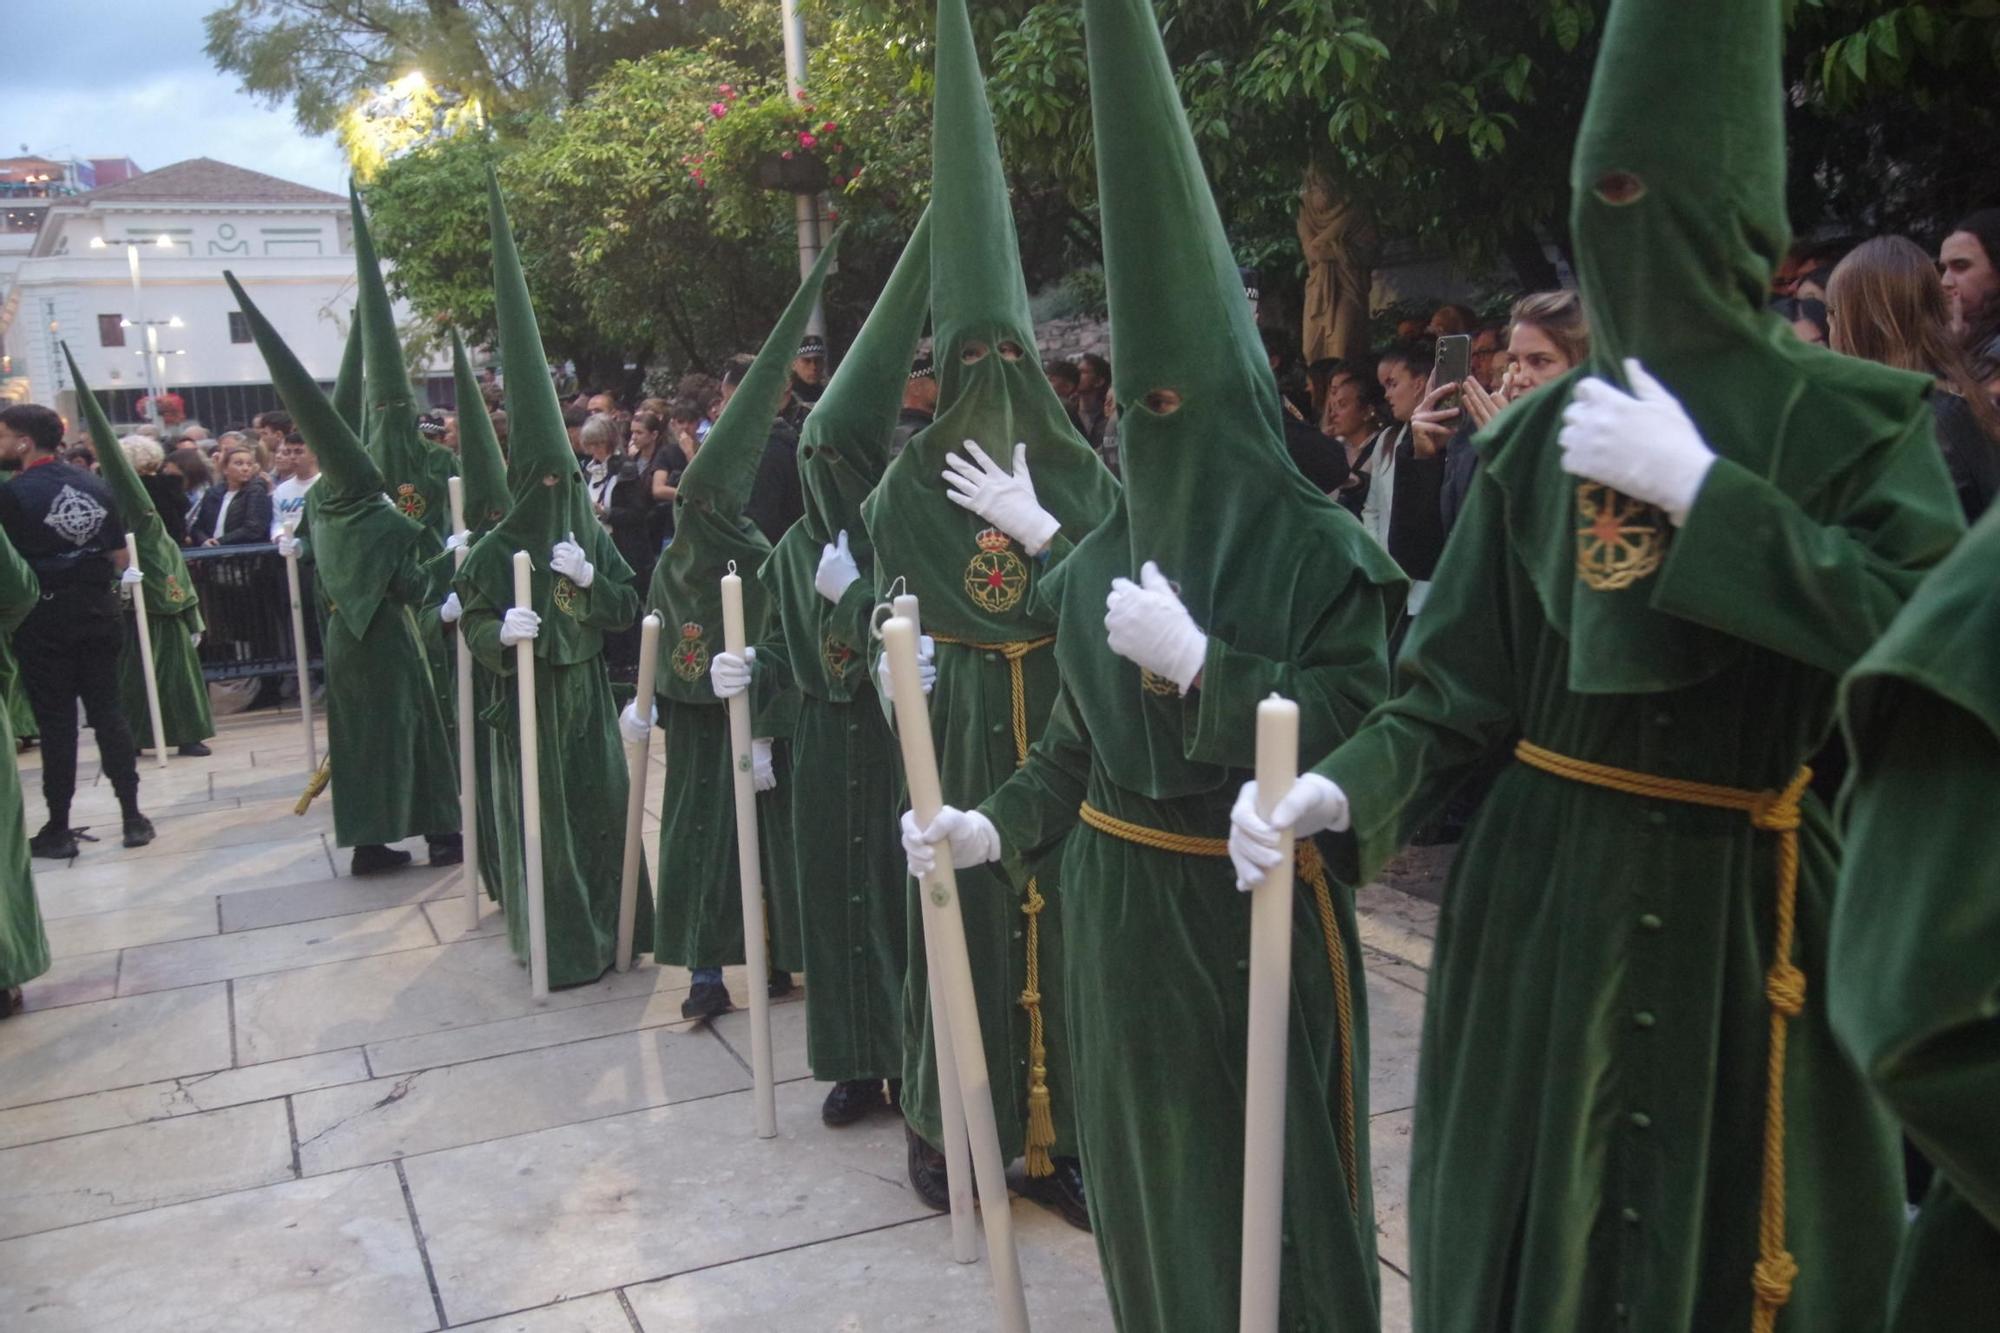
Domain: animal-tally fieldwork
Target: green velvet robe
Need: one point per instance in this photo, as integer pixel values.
(583, 787)
(184, 710)
(1915, 983)
(14, 695)
(1156, 944)
(1592, 1087)
(24, 948)
(847, 863)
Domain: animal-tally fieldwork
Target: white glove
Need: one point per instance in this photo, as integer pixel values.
(1146, 623)
(451, 609)
(634, 728)
(729, 675)
(130, 578)
(519, 625)
(288, 545)
(194, 639)
(1313, 803)
(568, 559)
(926, 668)
(1007, 502)
(837, 570)
(762, 771)
(974, 841)
(1641, 444)
(456, 541)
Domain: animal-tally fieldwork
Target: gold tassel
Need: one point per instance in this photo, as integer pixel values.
(1041, 1119)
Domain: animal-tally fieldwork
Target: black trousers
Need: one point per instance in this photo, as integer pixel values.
(68, 649)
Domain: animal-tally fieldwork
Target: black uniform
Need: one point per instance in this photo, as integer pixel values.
(65, 523)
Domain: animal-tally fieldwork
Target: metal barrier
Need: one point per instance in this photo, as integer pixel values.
(248, 610)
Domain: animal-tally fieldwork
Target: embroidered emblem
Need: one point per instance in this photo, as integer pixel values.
(74, 516)
(691, 654)
(565, 595)
(175, 592)
(1157, 684)
(837, 657)
(411, 501)
(1619, 540)
(995, 579)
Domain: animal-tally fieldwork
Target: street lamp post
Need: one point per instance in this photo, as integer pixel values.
(152, 352)
(806, 206)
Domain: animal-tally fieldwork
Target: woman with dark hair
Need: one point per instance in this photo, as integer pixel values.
(1888, 306)
(1969, 261)
(187, 464)
(238, 512)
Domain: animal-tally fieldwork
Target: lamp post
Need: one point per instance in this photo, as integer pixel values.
(806, 206)
(152, 352)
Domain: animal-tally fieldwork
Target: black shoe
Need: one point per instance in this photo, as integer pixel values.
(706, 1000)
(927, 1173)
(447, 849)
(781, 984)
(373, 858)
(850, 1101)
(10, 1001)
(138, 830)
(56, 842)
(1062, 1192)
(194, 750)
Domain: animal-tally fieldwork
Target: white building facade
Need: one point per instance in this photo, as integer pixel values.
(290, 246)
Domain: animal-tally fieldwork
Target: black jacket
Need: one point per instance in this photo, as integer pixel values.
(776, 500)
(65, 523)
(170, 497)
(249, 521)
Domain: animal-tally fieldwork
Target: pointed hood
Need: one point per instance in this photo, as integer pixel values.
(723, 469)
(168, 589)
(990, 385)
(1678, 219)
(1260, 557)
(844, 444)
(547, 499)
(347, 384)
(415, 469)
(480, 462)
(359, 540)
(711, 532)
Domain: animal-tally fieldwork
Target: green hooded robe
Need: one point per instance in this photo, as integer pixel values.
(975, 587)
(496, 758)
(700, 921)
(24, 948)
(1592, 1096)
(417, 473)
(1915, 979)
(1295, 598)
(13, 689)
(173, 611)
(848, 865)
(384, 731)
(583, 773)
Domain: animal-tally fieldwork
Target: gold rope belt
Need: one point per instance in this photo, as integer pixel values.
(1311, 869)
(1784, 984)
(1041, 1134)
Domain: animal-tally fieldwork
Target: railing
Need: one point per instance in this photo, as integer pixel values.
(248, 610)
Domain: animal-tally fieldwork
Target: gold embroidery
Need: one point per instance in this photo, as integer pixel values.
(691, 657)
(565, 595)
(995, 578)
(1619, 540)
(411, 501)
(837, 657)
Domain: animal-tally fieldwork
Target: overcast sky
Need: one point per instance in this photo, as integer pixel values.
(128, 78)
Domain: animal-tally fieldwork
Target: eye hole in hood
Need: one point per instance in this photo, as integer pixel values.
(1619, 188)
(973, 353)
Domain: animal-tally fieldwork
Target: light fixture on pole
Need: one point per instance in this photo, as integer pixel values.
(152, 352)
(805, 206)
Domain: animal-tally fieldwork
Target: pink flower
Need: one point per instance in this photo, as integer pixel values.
(718, 109)
(839, 181)
(787, 155)
(828, 128)
(807, 140)
(725, 90)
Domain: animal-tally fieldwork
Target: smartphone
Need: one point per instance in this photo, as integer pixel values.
(1454, 359)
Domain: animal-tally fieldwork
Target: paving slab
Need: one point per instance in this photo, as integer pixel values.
(250, 953)
(1395, 1034)
(401, 995)
(113, 1044)
(234, 825)
(551, 1027)
(446, 909)
(176, 1097)
(426, 1110)
(788, 1037)
(1397, 924)
(1396, 1316)
(86, 1177)
(1389, 1155)
(103, 884)
(75, 980)
(523, 1221)
(333, 1254)
(898, 1279)
(317, 899)
(128, 927)
(586, 1314)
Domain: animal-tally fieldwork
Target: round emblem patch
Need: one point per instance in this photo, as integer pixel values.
(411, 501)
(175, 592)
(1157, 684)
(1619, 540)
(565, 595)
(995, 578)
(690, 654)
(836, 656)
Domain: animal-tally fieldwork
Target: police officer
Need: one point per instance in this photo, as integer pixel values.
(65, 523)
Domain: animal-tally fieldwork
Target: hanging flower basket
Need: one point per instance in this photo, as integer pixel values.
(792, 172)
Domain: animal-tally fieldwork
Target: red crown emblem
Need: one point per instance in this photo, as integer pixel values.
(690, 630)
(992, 539)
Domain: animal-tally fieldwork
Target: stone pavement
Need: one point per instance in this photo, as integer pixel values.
(254, 1093)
